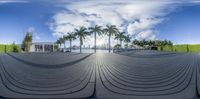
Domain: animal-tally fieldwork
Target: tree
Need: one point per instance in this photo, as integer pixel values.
(58, 42)
(81, 33)
(171, 45)
(135, 42)
(62, 40)
(71, 36)
(126, 45)
(56, 47)
(96, 30)
(144, 42)
(152, 42)
(139, 43)
(117, 46)
(120, 36)
(110, 30)
(27, 41)
(160, 43)
(15, 48)
(127, 40)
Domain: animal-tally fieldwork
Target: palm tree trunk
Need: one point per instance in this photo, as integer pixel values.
(70, 45)
(29, 45)
(60, 46)
(121, 43)
(80, 45)
(64, 45)
(109, 42)
(95, 43)
(127, 45)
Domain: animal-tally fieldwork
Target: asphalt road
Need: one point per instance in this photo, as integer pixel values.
(135, 75)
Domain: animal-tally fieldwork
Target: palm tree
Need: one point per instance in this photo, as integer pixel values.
(171, 45)
(71, 36)
(120, 36)
(62, 40)
(59, 43)
(161, 44)
(110, 31)
(136, 42)
(96, 30)
(81, 33)
(127, 39)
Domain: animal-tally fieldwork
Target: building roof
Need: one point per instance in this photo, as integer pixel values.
(43, 43)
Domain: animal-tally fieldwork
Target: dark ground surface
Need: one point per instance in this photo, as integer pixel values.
(136, 75)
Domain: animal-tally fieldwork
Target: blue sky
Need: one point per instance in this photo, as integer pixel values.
(17, 18)
(182, 25)
(175, 20)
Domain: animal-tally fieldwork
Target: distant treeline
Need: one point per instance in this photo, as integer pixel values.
(167, 45)
(151, 43)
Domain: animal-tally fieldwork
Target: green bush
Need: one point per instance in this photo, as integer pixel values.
(16, 49)
(165, 48)
(117, 46)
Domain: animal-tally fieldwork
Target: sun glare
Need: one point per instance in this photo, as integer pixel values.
(100, 41)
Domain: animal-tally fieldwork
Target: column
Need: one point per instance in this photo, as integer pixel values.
(43, 47)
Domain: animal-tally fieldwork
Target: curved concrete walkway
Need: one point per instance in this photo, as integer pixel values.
(136, 74)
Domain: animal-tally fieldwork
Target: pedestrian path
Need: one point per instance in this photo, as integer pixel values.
(138, 75)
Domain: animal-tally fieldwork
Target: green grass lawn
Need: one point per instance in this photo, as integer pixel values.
(182, 48)
(2, 48)
(7, 48)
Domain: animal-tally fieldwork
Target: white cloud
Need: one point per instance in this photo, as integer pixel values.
(137, 18)
(13, 1)
(147, 34)
(195, 1)
(143, 24)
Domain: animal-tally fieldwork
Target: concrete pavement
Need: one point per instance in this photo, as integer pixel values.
(138, 75)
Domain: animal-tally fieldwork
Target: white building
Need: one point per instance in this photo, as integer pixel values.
(42, 47)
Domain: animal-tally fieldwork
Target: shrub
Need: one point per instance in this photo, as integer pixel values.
(16, 49)
(117, 46)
